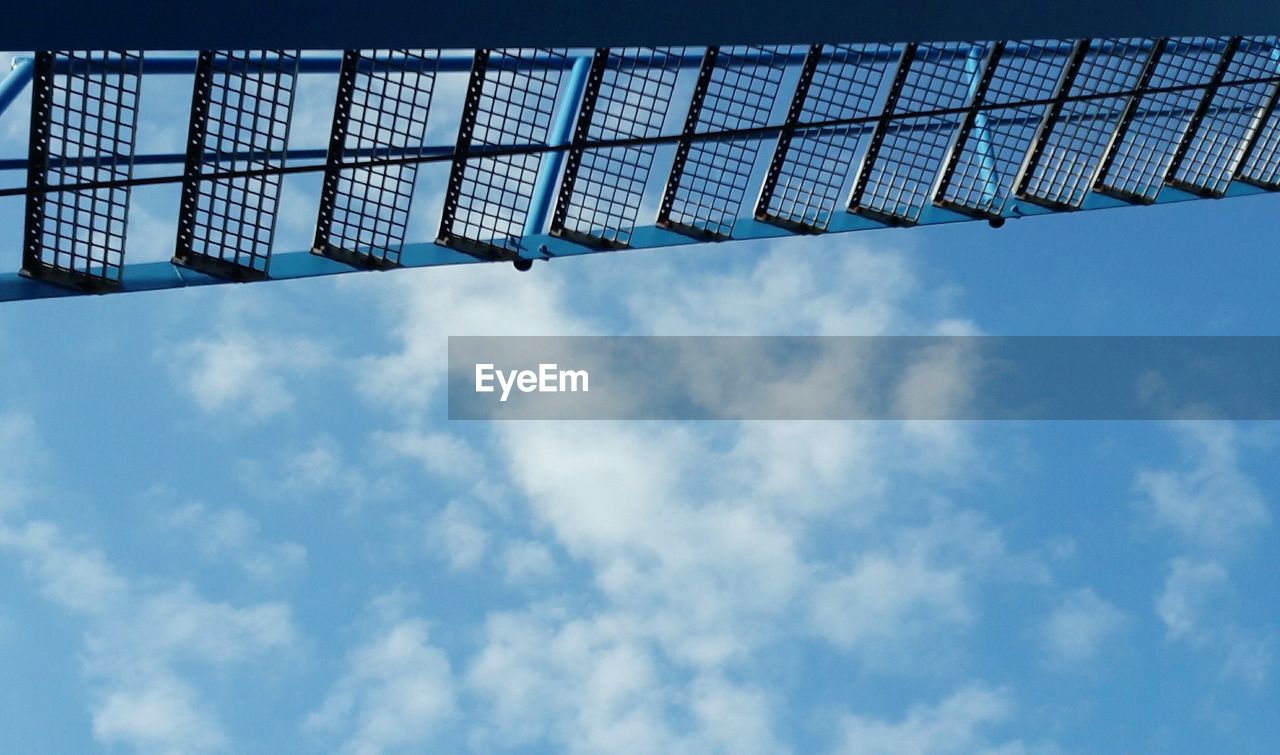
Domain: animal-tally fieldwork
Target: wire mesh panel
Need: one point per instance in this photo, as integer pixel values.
(1233, 119)
(384, 98)
(1148, 137)
(240, 115)
(603, 187)
(84, 111)
(985, 160)
(897, 181)
(510, 99)
(737, 89)
(1062, 166)
(811, 169)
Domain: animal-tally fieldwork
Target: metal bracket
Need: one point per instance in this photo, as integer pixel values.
(457, 171)
(779, 160)
(962, 137)
(877, 137)
(573, 161)
(38, 165)
(1211, 89)
(1122, 128)
(683, 146)
(192, 175)
(1060, 94)
(333, 168)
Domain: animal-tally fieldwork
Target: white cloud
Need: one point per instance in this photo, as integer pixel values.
(1249, 656)
(1194, 608)
(456, 534)
(396, 693)
(528, 561)
(705, 544)
(321, 467)
(623, 498)
(895, 597)
(592, 685)
(786, 291)
(242, 373)
(159, 715)
(959, 724)
(20, 450)
(428, 306)
(138, 638)
(1192, 593)
(1211, 503)
(1080, 625)
(233, 535)
(440, 453)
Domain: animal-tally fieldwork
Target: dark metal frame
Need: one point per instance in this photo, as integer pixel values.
(37, 167)
(573, 160)
(1180, 154)
(962, 137)
(684, 145)
(794, 112)
(1122, 129)
(192, 175)
(1051, 116)
(457, 171)
(867, 164)
(333, 165)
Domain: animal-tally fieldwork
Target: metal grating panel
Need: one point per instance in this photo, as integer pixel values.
(240, 115)
(509, 102)
(384, 98)
(1147, 140)
(1262, 165)
(1063, 164)
(603, 187)
(980, 175)
(83, 118)
(1234, 118)
(810, 170)
(897, 182)
(709, 179)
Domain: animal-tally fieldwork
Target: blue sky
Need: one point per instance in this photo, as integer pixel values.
(235, 519)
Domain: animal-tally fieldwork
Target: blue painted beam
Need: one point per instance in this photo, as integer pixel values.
(154, 276)
(544, 186)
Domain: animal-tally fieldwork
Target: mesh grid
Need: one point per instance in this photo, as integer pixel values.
(987, 160)
(1145, 152)
(850, 81)
(708, 192)
(83, 129)
(1234, 116)
(515, 104)
(365, 210)
(609, 184)
(1074, 145)
(229, 221)
(1262, 167)
(900, 180)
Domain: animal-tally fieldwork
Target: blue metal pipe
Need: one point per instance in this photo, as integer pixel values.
(544, 187)
(15, 82)
(460, 61)
(982, 139)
